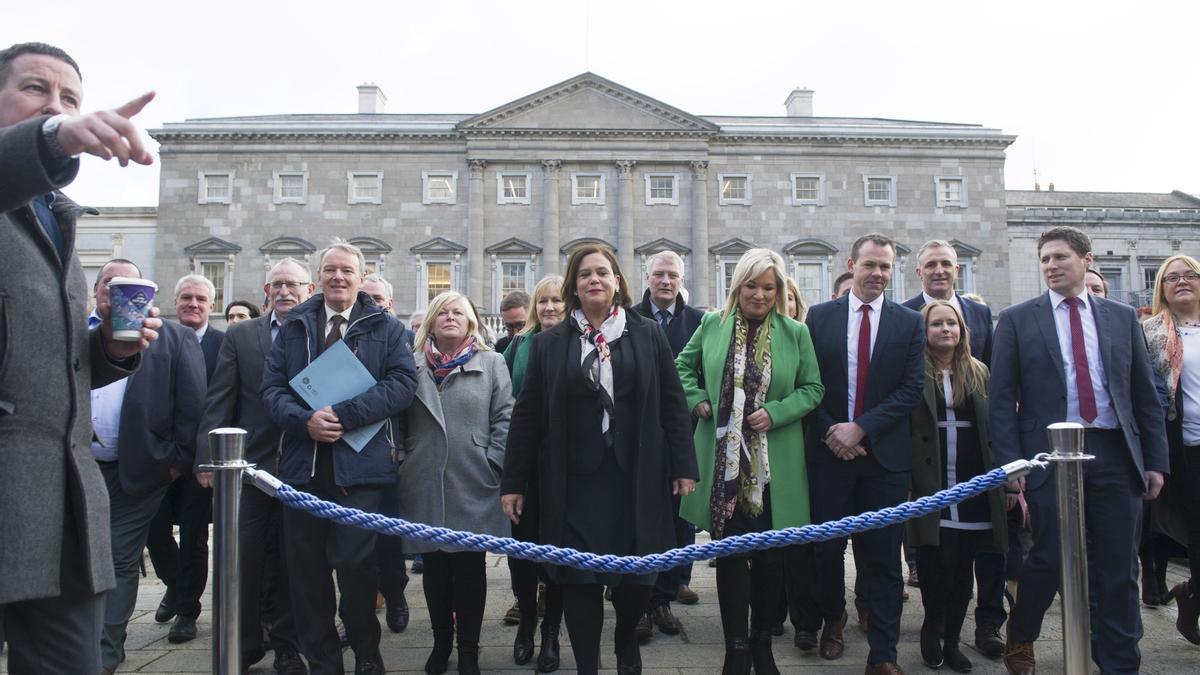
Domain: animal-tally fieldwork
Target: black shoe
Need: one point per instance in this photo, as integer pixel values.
(989, 643)
(955, 659)
(439, 658)
(931, 646)
(665, 620)
(396, 616)
(629, 659)
(287, 662)
(418, 565)
(371, 665)
(548, 657)
(468, 659)
(166, 608)
(183, 630)
(805, 640)
(523, 643)
(737, 657)
(644, 629)
(761, 655)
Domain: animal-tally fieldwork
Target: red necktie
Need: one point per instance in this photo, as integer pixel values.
(1083, 377)
(864, 361)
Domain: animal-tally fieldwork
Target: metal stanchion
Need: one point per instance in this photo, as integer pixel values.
(227, 447)
(1066, 440)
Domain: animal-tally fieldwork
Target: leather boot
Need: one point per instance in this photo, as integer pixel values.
(439, 658)
(737, 657)
(760, 651)
(629, 658)
(1188, 602)
(523, 644)
(548, 659)
(468, 658)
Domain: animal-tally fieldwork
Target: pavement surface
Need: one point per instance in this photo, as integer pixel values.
(698, 649)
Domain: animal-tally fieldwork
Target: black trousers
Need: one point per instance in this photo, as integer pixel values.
(316, 548)
(989, 595)
(525, 576)
(839, 489)
(260, 530)
(455, 587)
(1185, 482)
(389, 553)
(666, 586)
(1112, 500)
(801, 581)
(182, 567)
(748, 591)
(945, 573)
(583, 608)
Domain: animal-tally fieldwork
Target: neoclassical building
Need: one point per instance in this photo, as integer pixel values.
(490, 202)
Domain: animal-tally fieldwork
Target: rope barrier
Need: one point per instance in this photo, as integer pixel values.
(655, 562)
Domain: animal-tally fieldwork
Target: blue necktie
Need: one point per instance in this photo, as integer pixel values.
(664, 318)
(41, 207)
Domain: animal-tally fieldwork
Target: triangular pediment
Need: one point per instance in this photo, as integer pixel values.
(731, 247)
(438, 245)
(213, 246)
(585, 102)
(965, 250)
(371, 245)
(287, 246)
(810, 247)
(513, 246)
(570, 246)
(662, 244)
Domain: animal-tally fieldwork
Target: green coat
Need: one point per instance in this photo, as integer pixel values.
(795, 390)
(516, 357)
(927, 468)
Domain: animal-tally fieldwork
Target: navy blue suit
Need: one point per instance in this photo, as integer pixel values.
(979, 324)
(1028, 391)
(838, 488)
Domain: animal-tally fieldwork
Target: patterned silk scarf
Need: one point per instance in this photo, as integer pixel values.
(742, 470)
(596, 359)
(443, 364)
(1166, 353)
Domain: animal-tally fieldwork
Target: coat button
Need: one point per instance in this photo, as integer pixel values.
(76, 365)
(929, 460)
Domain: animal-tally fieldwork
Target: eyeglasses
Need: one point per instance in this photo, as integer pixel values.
(514, 327)
(1188, 277)
(290, 285)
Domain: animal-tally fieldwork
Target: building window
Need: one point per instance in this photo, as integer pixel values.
(808, 189)
(662, 188)
(879, 190)
(439, 187)
(291, 187)
(965, 283)
(725, 279)
(216, 271)
(438, 279)
(216, 188)
(364, 187)
(587, 188)
(508, 276)
(733, 188)
(951, 191)
(512, 188)
(810, 277)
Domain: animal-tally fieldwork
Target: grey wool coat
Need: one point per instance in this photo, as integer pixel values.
(49, 363)
(453, 449)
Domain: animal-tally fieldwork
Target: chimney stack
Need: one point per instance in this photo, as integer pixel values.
(799, 103)
(371, 100)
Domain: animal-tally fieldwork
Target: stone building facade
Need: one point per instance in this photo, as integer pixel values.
(491, 202)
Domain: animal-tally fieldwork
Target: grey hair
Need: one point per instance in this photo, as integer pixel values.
(666, 254)
(343, 245)
(387, 285)
(295, 263)
(196, 279)
(935, 243)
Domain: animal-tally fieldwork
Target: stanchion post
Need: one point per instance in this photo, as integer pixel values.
(1066, 441)
(227, 447)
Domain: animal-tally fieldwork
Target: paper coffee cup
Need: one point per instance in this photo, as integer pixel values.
(130, 300)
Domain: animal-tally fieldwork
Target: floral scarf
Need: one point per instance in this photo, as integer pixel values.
(443, 364)
(596, 359)
(742, 470)
(1166, 353)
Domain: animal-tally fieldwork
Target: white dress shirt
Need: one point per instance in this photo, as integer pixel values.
(329, 314)
(1106, 415)
(929, 300)
(853, 323)
(200, 333)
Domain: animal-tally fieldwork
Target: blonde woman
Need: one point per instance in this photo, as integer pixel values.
(796, 307)
(750, 375)
(450, 472)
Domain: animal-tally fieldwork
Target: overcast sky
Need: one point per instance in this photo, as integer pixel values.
(1101, 96)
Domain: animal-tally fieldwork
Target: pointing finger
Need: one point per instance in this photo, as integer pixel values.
(135, 106)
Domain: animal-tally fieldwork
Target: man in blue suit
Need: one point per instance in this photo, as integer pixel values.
(1068, 356)
(871, 352)
(937, 268)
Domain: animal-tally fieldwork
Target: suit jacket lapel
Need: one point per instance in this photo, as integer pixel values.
(1101, 316)
(843, 325)
(882, 336)
(1043, 311)
(264, 336)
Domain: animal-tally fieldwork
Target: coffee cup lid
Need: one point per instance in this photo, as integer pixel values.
(135, 281)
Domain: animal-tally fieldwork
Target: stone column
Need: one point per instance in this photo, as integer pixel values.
(699, 285)
(550, 174)
(475, 239)
(625, 223)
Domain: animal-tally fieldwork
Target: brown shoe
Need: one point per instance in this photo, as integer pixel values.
(1018, 658)
(687, 596)
(885, 668)
(833, 644)
(513, 616)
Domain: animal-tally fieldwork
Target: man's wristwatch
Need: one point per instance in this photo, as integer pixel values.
(50, 136)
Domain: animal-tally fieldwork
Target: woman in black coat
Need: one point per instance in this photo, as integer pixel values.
(602, 425)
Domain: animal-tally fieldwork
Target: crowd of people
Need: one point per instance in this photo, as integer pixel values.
(599, 422)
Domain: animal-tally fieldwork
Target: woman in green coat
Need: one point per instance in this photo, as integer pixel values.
(760, 379)
(950, 446)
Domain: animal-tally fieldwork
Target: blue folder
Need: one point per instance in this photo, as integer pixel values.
(335, 376)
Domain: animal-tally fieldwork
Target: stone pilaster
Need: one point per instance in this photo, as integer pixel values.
(699, 285)
(475, 232)
(625, 243)
(551, 169)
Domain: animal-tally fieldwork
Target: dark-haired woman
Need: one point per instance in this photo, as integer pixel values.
(602, 426)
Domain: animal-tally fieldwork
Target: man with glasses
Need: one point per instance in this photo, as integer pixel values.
(513, 311)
